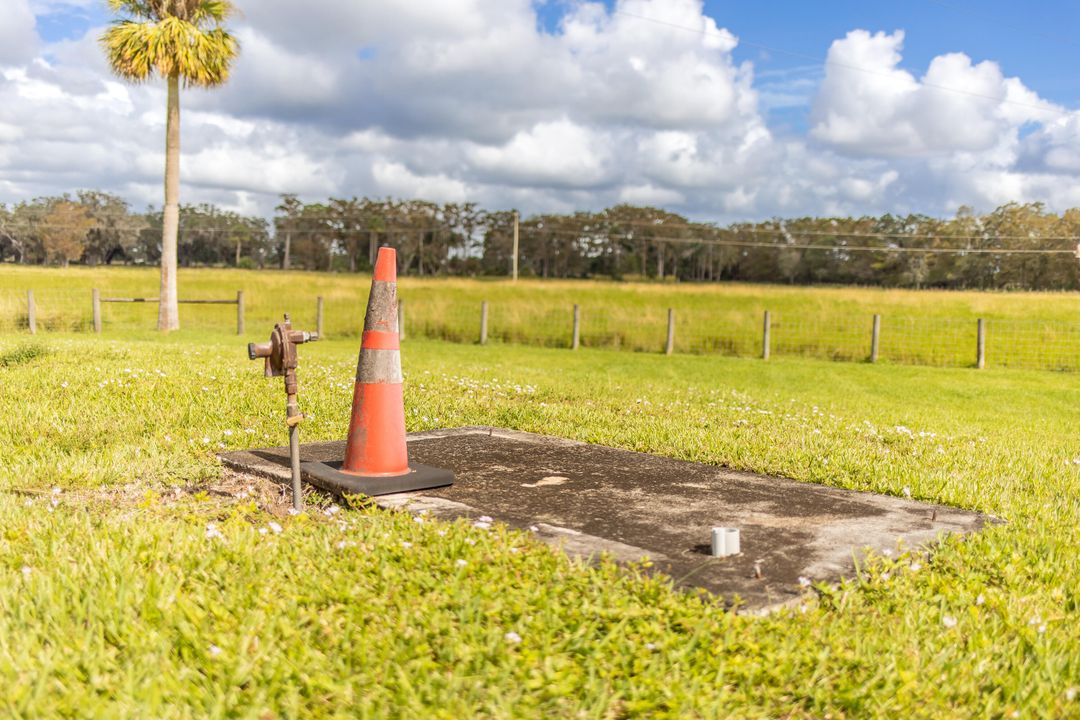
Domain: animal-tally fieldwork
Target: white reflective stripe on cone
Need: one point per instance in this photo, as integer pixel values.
(379, 366)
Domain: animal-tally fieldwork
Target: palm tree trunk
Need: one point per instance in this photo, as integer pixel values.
(168, 312)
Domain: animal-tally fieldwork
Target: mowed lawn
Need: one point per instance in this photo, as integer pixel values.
(137, 580)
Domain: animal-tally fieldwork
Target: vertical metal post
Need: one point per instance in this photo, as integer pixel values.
(319, 316)
(31, 312)
(483, 322)
(669, 345)
(95, 299)
(980, 357)
(875, 338)
(401, 319)
(575, 341)
(239, 312)
(514, 265)
(766, 332)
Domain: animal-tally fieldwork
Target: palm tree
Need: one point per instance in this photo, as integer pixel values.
(180, 39)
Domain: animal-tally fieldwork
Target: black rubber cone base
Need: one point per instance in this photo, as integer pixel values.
(329, 477)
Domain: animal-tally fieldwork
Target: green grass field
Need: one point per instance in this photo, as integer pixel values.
(141, 581)
(1025, 330)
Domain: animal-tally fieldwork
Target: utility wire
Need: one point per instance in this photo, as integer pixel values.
(719, 242)
(530, 227)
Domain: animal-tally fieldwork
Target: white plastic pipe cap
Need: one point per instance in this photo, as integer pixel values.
(725, 541)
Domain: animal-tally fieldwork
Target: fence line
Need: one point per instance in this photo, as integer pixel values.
(719, 330)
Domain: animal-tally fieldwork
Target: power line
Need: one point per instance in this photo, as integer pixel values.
(721, 242)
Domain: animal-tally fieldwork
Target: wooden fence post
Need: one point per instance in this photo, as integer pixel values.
(319, 316)
(875, 338)
(95, 299)
(669, 346)
(239, 312)
(575, 340)
(31, 312)
(765, 336)
(980, 356)
(401, 319)
(483, 322)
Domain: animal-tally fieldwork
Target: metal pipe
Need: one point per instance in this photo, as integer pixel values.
(293, 418)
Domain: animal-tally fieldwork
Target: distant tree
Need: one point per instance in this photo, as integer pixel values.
(178, 39)
(285, 223)
(64, 232)
(116, 230)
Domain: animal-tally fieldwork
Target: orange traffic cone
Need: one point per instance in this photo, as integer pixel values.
(376, 441)
(376, 456)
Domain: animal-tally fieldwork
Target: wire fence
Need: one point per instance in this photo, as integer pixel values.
(715, 330)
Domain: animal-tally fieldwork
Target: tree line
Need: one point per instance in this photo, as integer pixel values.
(1017, 246)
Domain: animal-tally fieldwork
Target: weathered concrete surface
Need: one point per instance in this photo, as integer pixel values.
(589, 498)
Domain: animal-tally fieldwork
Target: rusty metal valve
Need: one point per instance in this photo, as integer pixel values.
(281, 361)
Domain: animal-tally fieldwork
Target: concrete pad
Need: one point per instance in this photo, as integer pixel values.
(590, 499)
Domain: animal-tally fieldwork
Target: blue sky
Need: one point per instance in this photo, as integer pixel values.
(1031, 40)
(787, 40)
(490, 100)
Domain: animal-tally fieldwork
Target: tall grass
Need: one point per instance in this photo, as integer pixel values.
(1026, 330)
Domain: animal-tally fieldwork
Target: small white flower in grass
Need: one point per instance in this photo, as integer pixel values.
(406, 544)
(28, 503)
(418, 520)
(534, 528)
(442, 533)
(514, 551)
(263, 531)
(887, 553)
(461, 563)
(804, 581)
(512, 637)
(486, 518)
(26, 570)
(885, 576)
(274, 527)
(980, 600)
(56, 491)
(64, 384)
(205, 440)
(1042, 629)
(470, 541)
(907, 491)
(1035, 620)
(1070, 694)
(915, 567)
(214, 650)
(650, 646)
(212, 532)
(948, 621)
(481, 524)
